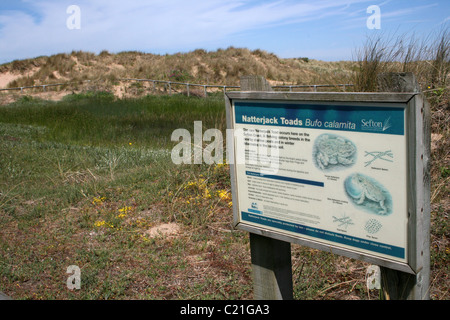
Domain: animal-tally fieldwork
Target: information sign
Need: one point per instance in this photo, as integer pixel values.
(330, 173)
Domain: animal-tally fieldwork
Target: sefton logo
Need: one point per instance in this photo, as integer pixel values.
(372, 125)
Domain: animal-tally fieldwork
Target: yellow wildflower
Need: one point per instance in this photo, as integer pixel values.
(206, 193)
(98, 200)
(190, 184)
(100, 223)
(125, 209)
(220, 165)
(224, 195)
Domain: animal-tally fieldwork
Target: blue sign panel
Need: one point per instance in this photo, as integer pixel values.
(332, 173)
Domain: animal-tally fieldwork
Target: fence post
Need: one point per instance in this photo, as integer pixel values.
(255, 83)
(271, 258)
(398, 285)
(206, 94)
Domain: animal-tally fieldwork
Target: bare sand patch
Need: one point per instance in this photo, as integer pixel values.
(6, 78)
(165, 229)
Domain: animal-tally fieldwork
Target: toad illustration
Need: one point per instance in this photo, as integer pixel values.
(334, 151)
(368, 190)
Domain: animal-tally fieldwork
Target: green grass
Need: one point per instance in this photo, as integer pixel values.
(97, 119)
(83, 180)
(74, 191)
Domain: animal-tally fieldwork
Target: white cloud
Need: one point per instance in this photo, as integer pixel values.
(148, 25)
(407, 11)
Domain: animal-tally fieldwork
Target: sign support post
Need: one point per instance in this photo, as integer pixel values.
(398, 285)
(271, 258)
(347, 173)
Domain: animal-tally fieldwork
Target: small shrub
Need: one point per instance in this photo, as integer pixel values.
(179, 75)
(428, 59)
(103, 96)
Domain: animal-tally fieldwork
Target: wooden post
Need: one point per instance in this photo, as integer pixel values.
(271, 268)
(255, 83)
(398, 285)
(271, 258)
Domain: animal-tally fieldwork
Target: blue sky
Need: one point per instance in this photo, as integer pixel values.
(321, 29)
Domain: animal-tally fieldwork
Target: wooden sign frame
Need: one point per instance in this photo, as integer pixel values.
(416, 218)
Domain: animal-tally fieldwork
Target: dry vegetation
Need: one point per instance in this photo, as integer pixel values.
(221, 67)
(427, 58)
(216, 257)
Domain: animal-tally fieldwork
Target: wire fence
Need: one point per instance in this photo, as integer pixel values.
(169, 86)
(188, 85)
(313, 87)
(43, 86)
